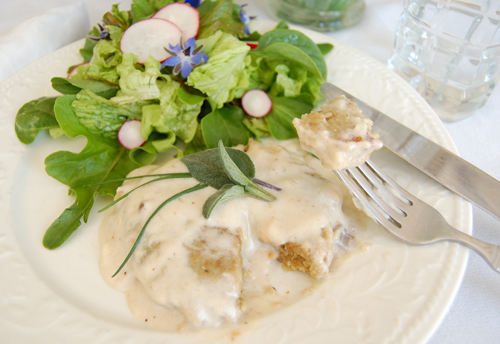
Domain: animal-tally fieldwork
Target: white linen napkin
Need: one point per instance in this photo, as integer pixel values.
(40, 35)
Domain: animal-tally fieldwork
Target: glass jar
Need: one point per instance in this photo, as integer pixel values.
(449, 51)
(320, 15)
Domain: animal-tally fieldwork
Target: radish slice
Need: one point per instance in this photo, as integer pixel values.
(256, 103)
(150, 37)
(129, 134)
(186, 17)
(252, 45)
(75, 69)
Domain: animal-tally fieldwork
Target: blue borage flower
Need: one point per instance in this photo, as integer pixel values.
(103, 33)
(194, 3)
(185, 57)
(246, 19)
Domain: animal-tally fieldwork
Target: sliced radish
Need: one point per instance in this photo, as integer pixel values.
(186, 17)
(252, 45)
(256, 103)
(129, 134)
(150, 37)
(75, 69)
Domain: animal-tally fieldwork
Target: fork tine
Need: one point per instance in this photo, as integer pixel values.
(360, 194)
(409, 197)
(379, 182)
(362, 180)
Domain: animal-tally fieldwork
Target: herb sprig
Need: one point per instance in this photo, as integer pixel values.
(228, 170)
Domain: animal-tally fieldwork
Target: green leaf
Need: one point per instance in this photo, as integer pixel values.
(117, 17)
(237, 176)
(88, 49)
(325, 48)
(143, 9)
(298, 40)
(225, 193)
(194, 188)
(223, 75)
(232, 170)
(35, 116)
(291, 54)
(197, 144)
(282, 25)
(282, 114)
(73, 86)
(189, 98)
(206, 166)
(218, 16)
(225, 124)
(101, 160)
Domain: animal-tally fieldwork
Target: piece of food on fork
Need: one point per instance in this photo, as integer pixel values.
(338, 134)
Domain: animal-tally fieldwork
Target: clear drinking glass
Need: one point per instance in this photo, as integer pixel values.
(320, 15)
(449, 51)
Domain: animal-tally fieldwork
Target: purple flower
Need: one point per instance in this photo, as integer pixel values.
(185, 57)
(245, 19)
(194, 3)
(103, 33)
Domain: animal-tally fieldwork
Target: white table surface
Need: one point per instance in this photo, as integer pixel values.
(474, 316)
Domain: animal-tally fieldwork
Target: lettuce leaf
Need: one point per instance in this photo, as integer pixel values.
(219, 15)
(289, 81)
(100, 116)
(171, 115)
(143, 9)
(223, 75)
(135, 84)
(102, 159)
(107, 55)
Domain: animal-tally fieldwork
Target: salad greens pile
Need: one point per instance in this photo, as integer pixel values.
(189, 114)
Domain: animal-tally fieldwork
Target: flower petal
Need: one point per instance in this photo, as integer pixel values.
(190, 43)
(199, 58)
(186, 69)
(177, 49)
(177, 69)
(171, 61)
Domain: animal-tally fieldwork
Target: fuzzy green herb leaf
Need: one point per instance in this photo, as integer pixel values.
(225, 193)
(206, 166)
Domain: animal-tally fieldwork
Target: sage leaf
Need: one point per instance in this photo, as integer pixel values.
(238, 177)
(206, 166)
(141, 233)
(231, 169)
(225, 193)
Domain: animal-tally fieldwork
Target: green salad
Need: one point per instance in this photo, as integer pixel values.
(188, 103)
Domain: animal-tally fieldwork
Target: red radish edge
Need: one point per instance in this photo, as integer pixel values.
(256, 103)
(186, 17)
(150, 37)
(75, 69)
(252, 45)
(129, 134)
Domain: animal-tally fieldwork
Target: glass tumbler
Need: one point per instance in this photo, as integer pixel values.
(449, 51)
(319, 15)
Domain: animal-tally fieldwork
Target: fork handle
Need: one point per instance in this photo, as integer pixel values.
(490, 252)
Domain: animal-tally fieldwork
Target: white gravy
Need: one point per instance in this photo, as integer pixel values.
(238, 277)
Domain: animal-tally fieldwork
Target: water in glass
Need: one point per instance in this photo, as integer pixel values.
(449, 51)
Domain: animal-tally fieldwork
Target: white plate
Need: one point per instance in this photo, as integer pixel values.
(390, 293)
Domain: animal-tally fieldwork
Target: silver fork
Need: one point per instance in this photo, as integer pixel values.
(406, 216)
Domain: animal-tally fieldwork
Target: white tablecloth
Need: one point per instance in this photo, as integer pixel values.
(475, 315)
